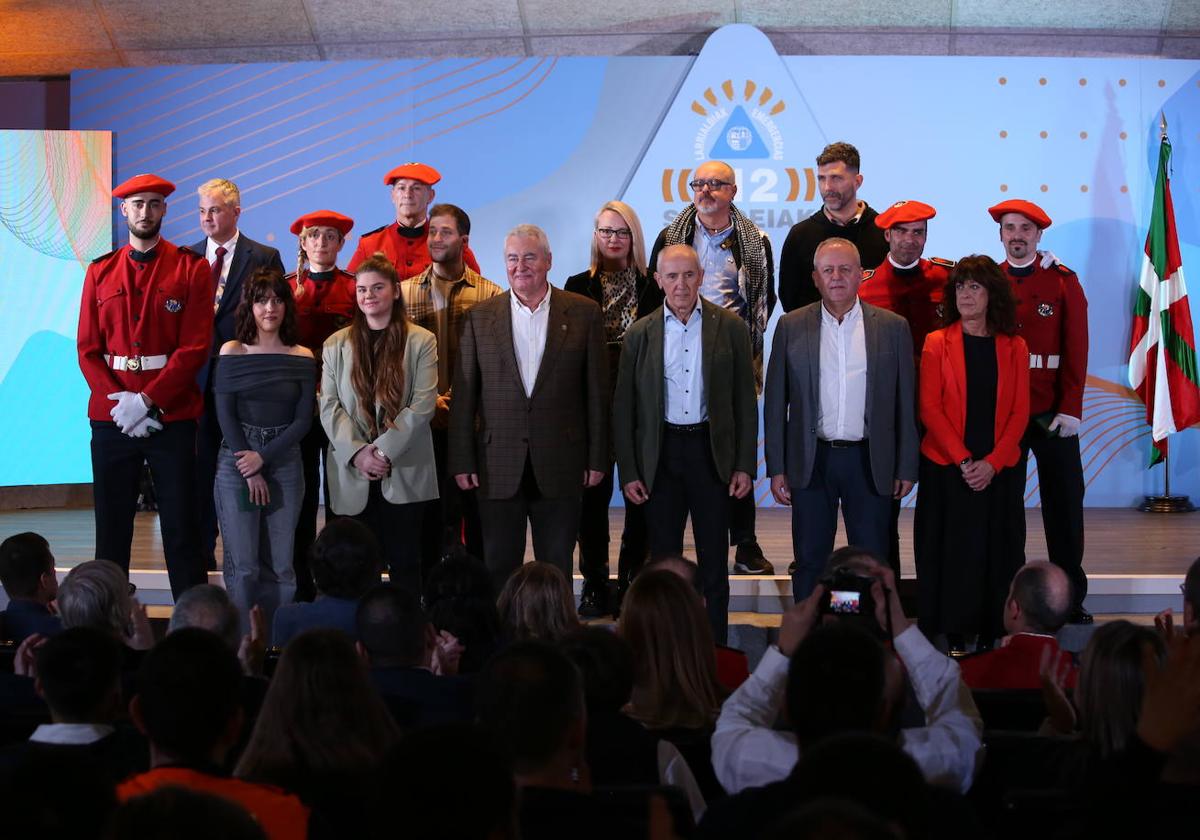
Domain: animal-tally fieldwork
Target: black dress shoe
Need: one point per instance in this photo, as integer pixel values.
(1081, 616)
(749, 560)
(593, 604)
(792, 569)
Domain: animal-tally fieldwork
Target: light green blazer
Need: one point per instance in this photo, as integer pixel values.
(408, 442)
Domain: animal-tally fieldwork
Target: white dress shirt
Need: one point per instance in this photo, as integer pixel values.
(683, 374)
(748, 752)
(210, 254)
(529, 337)
(842, 413)
(70, 733)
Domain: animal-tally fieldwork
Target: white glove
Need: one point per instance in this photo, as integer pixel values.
(1066, 425)
(143, 428)
(1048, 259)
(129, 410)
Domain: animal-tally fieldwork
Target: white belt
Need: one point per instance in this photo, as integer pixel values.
(1047, 362)
(137, 363)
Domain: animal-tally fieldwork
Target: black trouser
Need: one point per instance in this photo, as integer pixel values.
(554, 521)
(398, 529)
(686, 481)
(313, 452)
(208, 445)
(452, 519)
(593, 537)
(741, 518)
(116, 472)
(1060, 480)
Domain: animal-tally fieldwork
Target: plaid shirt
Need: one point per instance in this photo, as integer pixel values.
(469, 290)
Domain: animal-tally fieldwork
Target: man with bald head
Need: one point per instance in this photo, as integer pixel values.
(840, 415)
(685, 422)
(739, 276)
(1038, 605)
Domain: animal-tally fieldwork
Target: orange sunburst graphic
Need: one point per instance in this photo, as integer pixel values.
(748, 90)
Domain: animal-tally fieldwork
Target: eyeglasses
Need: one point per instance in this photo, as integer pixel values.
(609, 233)
(713, 184)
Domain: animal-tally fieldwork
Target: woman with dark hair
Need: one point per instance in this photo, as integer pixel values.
(617, 281)
(264, 386)
(378, 391)
(969, 533)
(323, 732)
(461, 601)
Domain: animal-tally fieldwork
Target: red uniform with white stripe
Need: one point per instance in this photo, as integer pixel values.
(914, 294)
(158, 307)
(408, 250)
(1052, 318)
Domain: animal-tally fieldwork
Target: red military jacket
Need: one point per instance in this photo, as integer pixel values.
(914, 294)
(325, 305)
(150, 307)
(1052, 318)
(407, 248)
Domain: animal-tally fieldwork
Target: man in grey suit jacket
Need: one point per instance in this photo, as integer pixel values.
(840, 415)
(232, 257)
(529, 418)
(685, 422)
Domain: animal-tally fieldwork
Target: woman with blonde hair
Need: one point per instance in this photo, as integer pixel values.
(618, 282)
(537, 603)
(378, 389)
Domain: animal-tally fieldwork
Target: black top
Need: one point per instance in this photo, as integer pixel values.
(265, 389)
(979, 435)
(796, 287)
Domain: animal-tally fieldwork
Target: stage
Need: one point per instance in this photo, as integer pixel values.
(1135, 561)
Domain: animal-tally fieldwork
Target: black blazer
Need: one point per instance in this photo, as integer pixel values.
(248, 256)
(649, 297)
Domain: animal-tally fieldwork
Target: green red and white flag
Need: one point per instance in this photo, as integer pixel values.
(1162, 356)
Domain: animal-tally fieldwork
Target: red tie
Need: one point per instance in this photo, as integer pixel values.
(217, 265)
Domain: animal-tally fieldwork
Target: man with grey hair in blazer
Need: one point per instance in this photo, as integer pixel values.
(840, 415)
(529, 418)
(685, 423)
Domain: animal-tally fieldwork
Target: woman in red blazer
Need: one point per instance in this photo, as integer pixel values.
(969, 532)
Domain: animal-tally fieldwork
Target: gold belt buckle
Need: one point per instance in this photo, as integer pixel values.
(133, 363)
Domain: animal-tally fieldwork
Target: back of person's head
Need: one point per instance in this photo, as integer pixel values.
(392, 628)
(530, 698)
(674, 657)
(1191, 593)
(346, 559)
(449, 783)
(176, 813)
(26, 565)
(96, 594)
(836, 683)
(209, 608)
(1108, 693)
(189, 695)
(871, 771)
(536, 603)
(855, 558)
(605, 663)
(56, 796)
(79, 675)
(321, 717)
(1041, 594)
(680, 565)
(461, 600)
(831, 819)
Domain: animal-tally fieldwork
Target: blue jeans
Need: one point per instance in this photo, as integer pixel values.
(258, 540)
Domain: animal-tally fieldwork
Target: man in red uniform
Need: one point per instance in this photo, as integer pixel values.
(145, 326)
(912, 287)
(406, 241)
(1052, 318)
(325, 303)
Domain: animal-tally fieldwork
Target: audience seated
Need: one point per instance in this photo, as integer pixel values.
(536, 603)
(323, 731)
(676, 694)
(1037, 607)
(823, 819)
(346, 561)
(620, 751)
(52, 796)
(188, 706)
(27, 574)
(175, 813)
(748, 751)
(79, 677)
(400, 646)
(461, 601)
(96, 594)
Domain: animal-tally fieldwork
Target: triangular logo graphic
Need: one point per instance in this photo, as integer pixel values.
(738, 139)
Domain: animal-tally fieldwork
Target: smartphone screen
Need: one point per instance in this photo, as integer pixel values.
(844, 602)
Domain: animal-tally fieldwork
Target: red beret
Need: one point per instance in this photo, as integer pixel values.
(903, 212)
(416, 171)
(142, 184)
(1027, 209)
(323, 218)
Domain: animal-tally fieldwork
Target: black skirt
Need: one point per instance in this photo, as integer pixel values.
(968, 546)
